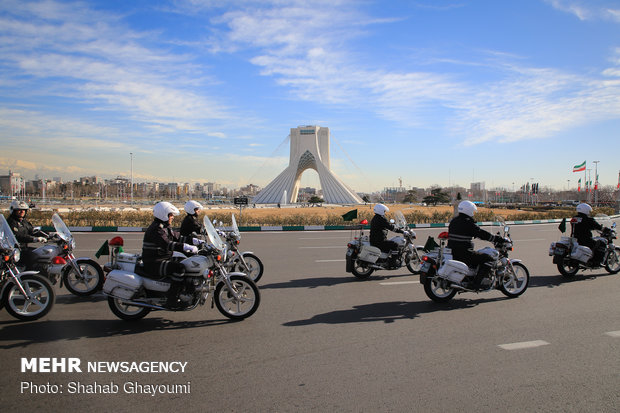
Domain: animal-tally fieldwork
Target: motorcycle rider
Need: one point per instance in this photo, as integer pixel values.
(461, 231)
(582, 230)
(379, 226)
(190, 223)
(159, 243)
(23, 230)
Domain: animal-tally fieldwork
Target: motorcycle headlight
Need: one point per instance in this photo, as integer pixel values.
(72, 244)
(16, 254)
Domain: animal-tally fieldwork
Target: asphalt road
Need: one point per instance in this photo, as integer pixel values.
(324, 341)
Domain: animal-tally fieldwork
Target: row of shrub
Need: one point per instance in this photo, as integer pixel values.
(144, 218)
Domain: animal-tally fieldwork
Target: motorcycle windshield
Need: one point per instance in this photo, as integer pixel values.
(214, 238)
(61, 229)
(399, 219)
(7, 238)
(235, 228)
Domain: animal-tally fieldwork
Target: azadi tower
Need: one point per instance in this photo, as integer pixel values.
(309, 150)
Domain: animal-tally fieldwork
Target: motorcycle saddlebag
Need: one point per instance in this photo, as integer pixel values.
(369, 253)
(122, 284)
(454, 270)
(582, 254)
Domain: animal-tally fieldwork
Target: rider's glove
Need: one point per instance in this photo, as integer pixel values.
(40, 239)
(190, 248)
(498, 240)
(197, 241)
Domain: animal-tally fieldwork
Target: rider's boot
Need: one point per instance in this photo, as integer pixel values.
(176, 285)
(479, 280)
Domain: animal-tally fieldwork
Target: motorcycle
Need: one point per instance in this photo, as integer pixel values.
(25, 295)
(81, 276)
(443, 277)
(570, 257)
(132, 295)
(362, 259)
(246, 262)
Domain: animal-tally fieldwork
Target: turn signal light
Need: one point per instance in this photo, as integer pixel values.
(218, 258)
(7, 258)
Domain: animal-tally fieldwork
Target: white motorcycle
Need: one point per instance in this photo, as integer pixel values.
(82, 276)
(246, 262)
(132, 295)
(362, 259)
(25, 295)
(443, 277)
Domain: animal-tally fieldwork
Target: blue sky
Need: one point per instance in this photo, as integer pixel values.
(432, 92)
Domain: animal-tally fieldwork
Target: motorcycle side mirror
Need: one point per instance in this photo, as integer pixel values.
(613, 226)
(506, 229)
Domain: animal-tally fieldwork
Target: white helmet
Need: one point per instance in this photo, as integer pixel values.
(467, 208)
(162, 209)
(381, 209)
(584, 209)
(17, 205)
(190, 207)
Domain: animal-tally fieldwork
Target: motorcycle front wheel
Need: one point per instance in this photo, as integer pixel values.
(361, 269)
(125, 311)
(89, 282)
(515, 284)
(245, 305)
(415, 262)
(255, 266)
(568, 267)
(612, 264)
(438, 290)
(42, 297)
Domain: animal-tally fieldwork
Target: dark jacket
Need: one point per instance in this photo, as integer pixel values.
(462, 230)
(379, 227)
(582, 229)
(22, 229)
(160, 241)
(190, 225)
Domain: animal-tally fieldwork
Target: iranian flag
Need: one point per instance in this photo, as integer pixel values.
(579, 185)
(618, 187)
(580, 167)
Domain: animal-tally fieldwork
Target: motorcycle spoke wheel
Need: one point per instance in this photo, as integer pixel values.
(515, 282)
(568, 267)
(361, 270)
(125, 311)
(255, 267)
(415, 261)
(39, 303)
(233, 307)
(438, 290)
(612, 265)
(89, 282)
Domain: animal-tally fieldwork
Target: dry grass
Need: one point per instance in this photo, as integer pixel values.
(326, 215)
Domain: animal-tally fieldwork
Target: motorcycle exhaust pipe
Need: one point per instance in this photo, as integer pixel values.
(138, 304)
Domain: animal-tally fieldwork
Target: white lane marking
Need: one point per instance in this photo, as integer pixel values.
(523, 345)
(615, 334)
(329, 260)
(531, 239)
(324, 238)
(338, 246)
(399, 282)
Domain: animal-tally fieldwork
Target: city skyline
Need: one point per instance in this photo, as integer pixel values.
(430, 93)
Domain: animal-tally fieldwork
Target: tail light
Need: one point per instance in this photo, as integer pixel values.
(210, 274)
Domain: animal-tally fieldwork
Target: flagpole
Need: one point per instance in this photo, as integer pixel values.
(595, 181)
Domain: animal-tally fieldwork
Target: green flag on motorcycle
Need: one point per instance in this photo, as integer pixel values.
(430, 244)
(562, 226)
(103, 250)
(350, 216)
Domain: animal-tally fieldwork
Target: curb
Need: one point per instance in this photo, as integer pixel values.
(313, 227)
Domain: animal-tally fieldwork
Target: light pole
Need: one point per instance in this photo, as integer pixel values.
(131, 158)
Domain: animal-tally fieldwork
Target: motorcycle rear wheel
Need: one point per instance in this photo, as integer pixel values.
(361, 270)
(415, 262)
(514, 285)
(89, 283)
(233, 308)
(437, 289)
(125, 311)
(19, 307)
(612, 264)
(568, 267)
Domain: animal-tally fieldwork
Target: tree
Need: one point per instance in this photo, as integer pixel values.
(437, 196)
(315, 200)
(411, 196)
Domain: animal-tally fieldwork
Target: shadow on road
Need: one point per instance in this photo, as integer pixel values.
(314, 282)
(24, 334)
(74, 299)
(557, 280)
(388, 312)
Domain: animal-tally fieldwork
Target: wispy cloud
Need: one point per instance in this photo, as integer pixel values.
(589, 9)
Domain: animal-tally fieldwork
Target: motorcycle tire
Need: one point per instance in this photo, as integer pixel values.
(17, 305)
(567, 267)
(612, 263)
(437, 289)
(361, 270)
(233, 308)
(87, 285)
(415, 262)
(255, 267)
(125, 311)
(515, 286)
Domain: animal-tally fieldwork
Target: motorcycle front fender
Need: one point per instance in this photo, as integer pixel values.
(515, 260)
(247, 252)
(11, 280)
